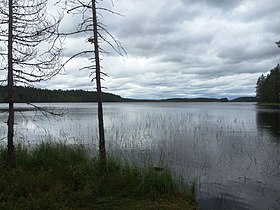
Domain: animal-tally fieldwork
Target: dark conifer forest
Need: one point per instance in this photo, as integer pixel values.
(35, 95)
(268, 87)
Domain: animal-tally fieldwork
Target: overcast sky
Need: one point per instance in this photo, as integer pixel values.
(181, 48)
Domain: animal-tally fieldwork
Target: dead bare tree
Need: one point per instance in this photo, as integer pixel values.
(33, 52)
(96, 33)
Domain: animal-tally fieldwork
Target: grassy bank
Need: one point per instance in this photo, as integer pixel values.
(269, 104)
(59, 176)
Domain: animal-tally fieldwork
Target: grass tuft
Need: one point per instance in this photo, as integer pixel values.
(60, 176)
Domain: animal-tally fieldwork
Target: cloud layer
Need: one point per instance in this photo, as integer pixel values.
(182, 48)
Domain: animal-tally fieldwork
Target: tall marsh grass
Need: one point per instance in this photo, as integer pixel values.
(60, 176)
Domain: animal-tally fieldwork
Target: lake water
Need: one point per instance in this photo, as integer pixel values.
(230, 150)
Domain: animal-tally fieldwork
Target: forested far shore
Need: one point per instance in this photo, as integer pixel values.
(36, 95)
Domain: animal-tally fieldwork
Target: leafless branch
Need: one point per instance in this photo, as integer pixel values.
(45, 112)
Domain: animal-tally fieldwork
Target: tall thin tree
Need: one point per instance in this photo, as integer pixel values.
(102, 146)
(11, 154)
(91, 25)
(33, 52)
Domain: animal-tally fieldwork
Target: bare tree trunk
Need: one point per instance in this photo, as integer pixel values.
(89, 25)
(102, 148)
(10, 159)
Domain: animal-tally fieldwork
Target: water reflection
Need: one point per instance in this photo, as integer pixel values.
(227, 149)
(268, 119)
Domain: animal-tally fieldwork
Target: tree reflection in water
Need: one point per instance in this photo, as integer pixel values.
(268, 119)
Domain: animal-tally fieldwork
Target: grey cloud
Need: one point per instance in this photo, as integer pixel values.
(204, 48)
(222, 4)
(272, 25)
(154, 17)
(254, 53)
(76, 45)
(68, 83)
(253, 11)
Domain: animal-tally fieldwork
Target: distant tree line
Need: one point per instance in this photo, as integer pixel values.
(268, 87)
(196, 100)
(35, 95)
(244, 99)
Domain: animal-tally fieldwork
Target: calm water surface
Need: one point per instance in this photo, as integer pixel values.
(230, 150)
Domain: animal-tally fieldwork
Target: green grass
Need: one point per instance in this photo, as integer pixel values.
(58, 176)
(269, 104)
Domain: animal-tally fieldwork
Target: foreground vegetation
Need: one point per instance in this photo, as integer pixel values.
(59, 176)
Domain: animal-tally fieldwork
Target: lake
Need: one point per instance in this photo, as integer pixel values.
(230, 150)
